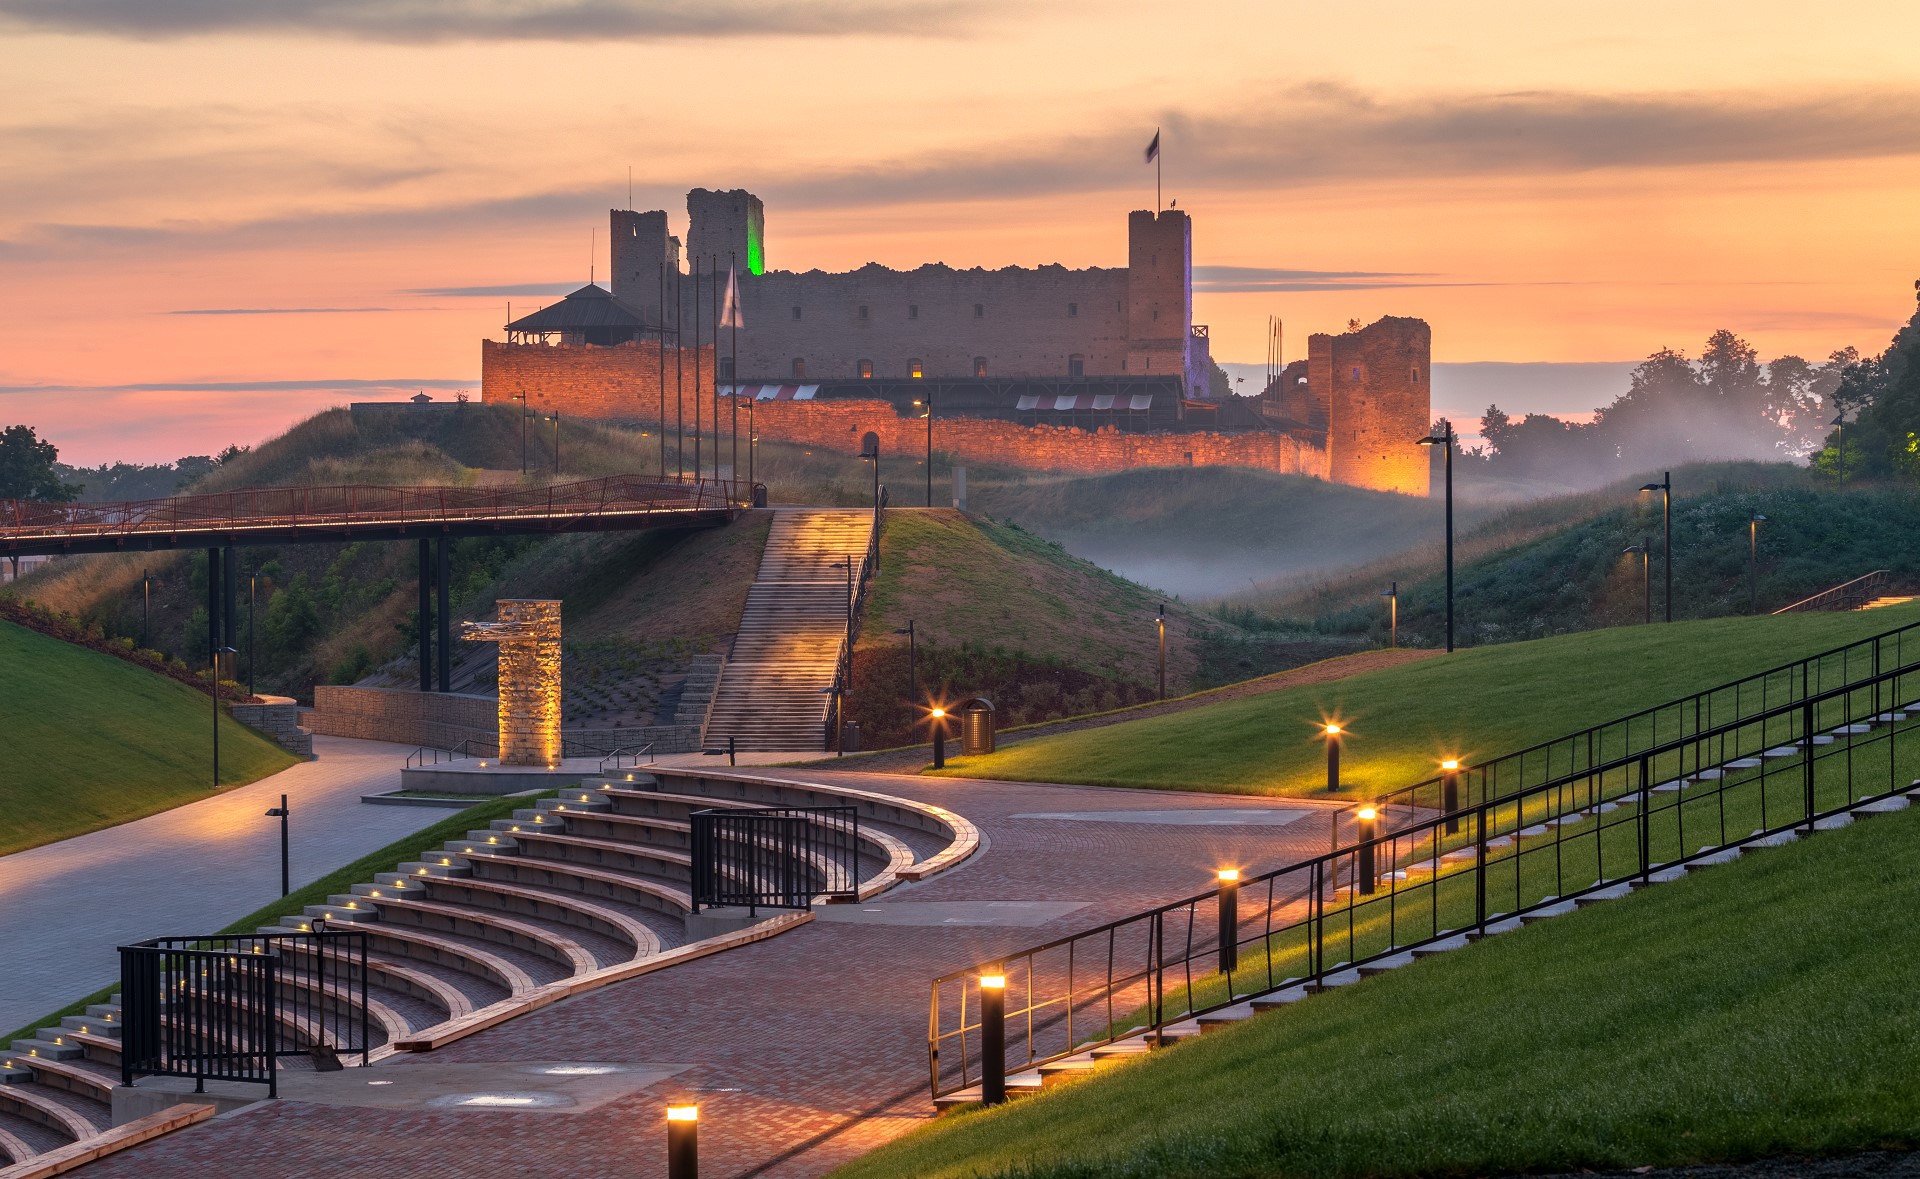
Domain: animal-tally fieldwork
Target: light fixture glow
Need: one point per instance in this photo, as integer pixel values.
(1450, 764)
(993, 982)
(1333, 730)
(1368, 814)
(1229, 874)
(683, 1113)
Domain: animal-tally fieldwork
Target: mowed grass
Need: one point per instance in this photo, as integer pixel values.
(89, 741)
(1401, 721)
(1752, 1010)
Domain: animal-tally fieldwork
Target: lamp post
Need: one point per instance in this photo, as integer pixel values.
(522, 399)
(282, 813)
(253, 585)
(146, 609)
(849, 567)
(1753, 560)
(683, 1142)
(222, 670)
(555, 419)
(937, 718)
(1369, 831)
(1332, 734)
(1839, 424)
(1160, 620)
(870, 452)
(993, 1039)
(1446, 439)
(839, 721)
(1665, 488)
(929, 404)
(1229, 879)
(1644, 548)
(913, 671)
(1392, 595)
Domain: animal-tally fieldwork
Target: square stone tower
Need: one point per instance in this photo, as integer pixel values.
(1160, 294)
(641, 250)
(723, 225)
(1375, 384)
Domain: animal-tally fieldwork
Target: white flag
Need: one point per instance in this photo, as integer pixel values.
(730, 310)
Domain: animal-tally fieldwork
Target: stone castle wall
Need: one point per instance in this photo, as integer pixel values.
(1378, 400)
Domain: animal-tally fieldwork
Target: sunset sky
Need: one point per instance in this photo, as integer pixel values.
(217, 216)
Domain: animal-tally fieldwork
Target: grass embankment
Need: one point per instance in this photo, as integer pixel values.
(93, 741)
(1472, 704)
(1748, 1011)
(411, 847)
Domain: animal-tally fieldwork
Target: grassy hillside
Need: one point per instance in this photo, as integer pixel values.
(1401, 721)
(1739, 1013)
(92, 741)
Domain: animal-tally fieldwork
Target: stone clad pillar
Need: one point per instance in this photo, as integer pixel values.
(528, 632)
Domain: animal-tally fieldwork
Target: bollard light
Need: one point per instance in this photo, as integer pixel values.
(683, 1142)
(1229, 919)
(1369, 830)
(1333, 732)
(938, 718)
(993, 1039)
(1450, 792)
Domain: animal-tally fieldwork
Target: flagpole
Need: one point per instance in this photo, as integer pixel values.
(663, 372)
(1157, 150)
(679, 399)
(733, 367)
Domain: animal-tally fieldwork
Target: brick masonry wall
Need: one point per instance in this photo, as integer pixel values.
(1380, 402)
(440, 719)
(278, 717)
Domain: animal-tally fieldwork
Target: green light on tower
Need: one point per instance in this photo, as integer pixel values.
(756, 249)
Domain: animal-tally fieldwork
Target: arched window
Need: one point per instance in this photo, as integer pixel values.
(866, 367)
(1076, 365)
(799, 367)
(979, 366)
(913, 368)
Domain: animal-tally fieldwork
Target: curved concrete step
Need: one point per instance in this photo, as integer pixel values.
(490, 925)
(28, 1101)
(426, 946)
(15, 1149)
(546, 905)
(82, 1080)
(562, 885)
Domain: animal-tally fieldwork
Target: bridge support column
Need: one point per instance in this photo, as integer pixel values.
(229, 595)
(444, 616)
(425, 624)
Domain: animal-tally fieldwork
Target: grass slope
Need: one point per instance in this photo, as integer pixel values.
(1473, 704)
(92, 741)
(1744, 1012)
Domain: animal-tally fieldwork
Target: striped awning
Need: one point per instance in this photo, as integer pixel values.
(771, 392)
(1083, 402)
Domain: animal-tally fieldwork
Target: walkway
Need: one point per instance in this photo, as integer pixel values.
(193, 869)
(804, 1050)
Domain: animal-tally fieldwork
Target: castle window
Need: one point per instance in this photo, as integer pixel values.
(1073, 309)
(863, 311)
(1356, 374)
(726, 368)
(979, 310)
(1413, 374)
(979, 366)
(913, 368)
(1076, 365)
(866, 366)
(913, 311)
(796, 313)
(799, 367)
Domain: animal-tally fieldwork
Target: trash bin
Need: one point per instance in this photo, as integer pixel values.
(850, 737)
(976, 726)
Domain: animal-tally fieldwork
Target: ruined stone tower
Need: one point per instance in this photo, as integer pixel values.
(1374, 386)
(642, 252)
(727, 225)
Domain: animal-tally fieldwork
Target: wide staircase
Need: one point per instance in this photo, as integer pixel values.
(773, 691)
(589, 887)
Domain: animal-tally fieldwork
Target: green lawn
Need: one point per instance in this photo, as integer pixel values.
(1473, 704)
(1751, 1010)
(92, 741)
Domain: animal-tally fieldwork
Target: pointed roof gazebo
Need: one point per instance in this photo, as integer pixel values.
(590, 315)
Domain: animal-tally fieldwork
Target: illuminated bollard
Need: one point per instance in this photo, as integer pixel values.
(993, 1039)
(683, 1142)
(1369, 830)
(1229, 920)
(1333, 758)
(1450, 793)
(939, 718)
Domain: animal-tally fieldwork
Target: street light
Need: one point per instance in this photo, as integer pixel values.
(1392, 595)
(146, 614)
(1160, 620)
(282, 813)
(1446, 439)
(1332, 733)
(929, 415)
(913, 673)
(849, 567)
(1753, 560)
(555, 419)
(253, 585)
(1839, 424)
(870, 452)
(222, 670)
(1646, 578)
(1665, 488)
(522, 399)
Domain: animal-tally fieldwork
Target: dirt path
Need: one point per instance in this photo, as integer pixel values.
(912, 759)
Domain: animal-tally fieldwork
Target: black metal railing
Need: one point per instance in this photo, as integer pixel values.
(602, 743)
(775, 857)
(626, 758)
(843, 663)
(1720, 709)
(226, 1008)
(1442, 876)
(1848, 595)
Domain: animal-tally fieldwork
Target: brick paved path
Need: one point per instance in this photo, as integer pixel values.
(804, 1050)
(193, 869)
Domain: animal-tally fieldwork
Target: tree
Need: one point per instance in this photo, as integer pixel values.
(27, 468)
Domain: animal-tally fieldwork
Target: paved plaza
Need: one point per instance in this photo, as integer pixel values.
(193, 869)
(803, 1050)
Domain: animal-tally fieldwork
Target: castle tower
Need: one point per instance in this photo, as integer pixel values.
(723, 225)
(1160, 294)
(1374, 385)
(640, 248)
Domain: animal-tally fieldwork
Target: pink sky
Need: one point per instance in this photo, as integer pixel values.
(1574, 182)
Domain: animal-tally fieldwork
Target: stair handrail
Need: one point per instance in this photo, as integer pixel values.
(632, 755)
(1848, 595)
(713, 696)
(843, 662)
(1142, 984)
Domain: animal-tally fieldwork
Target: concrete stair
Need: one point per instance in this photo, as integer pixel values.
(696, 691)
(771, 693)
(56, 1087)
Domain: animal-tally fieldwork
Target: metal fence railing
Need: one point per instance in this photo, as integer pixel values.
(1848, 595)
(843, 662)
(226, 1008)
(1440, 876)
(775, 857)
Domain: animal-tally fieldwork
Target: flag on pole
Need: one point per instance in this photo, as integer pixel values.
(730, 310)
(1153, 149)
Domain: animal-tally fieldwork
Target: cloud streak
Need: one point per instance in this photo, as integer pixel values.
(426, 21)
(292, 310)
(311, 385)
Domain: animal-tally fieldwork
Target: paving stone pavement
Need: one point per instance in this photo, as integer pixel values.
(803, 1051)
(193, 869)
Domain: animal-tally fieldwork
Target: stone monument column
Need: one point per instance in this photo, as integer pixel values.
(528, 632)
